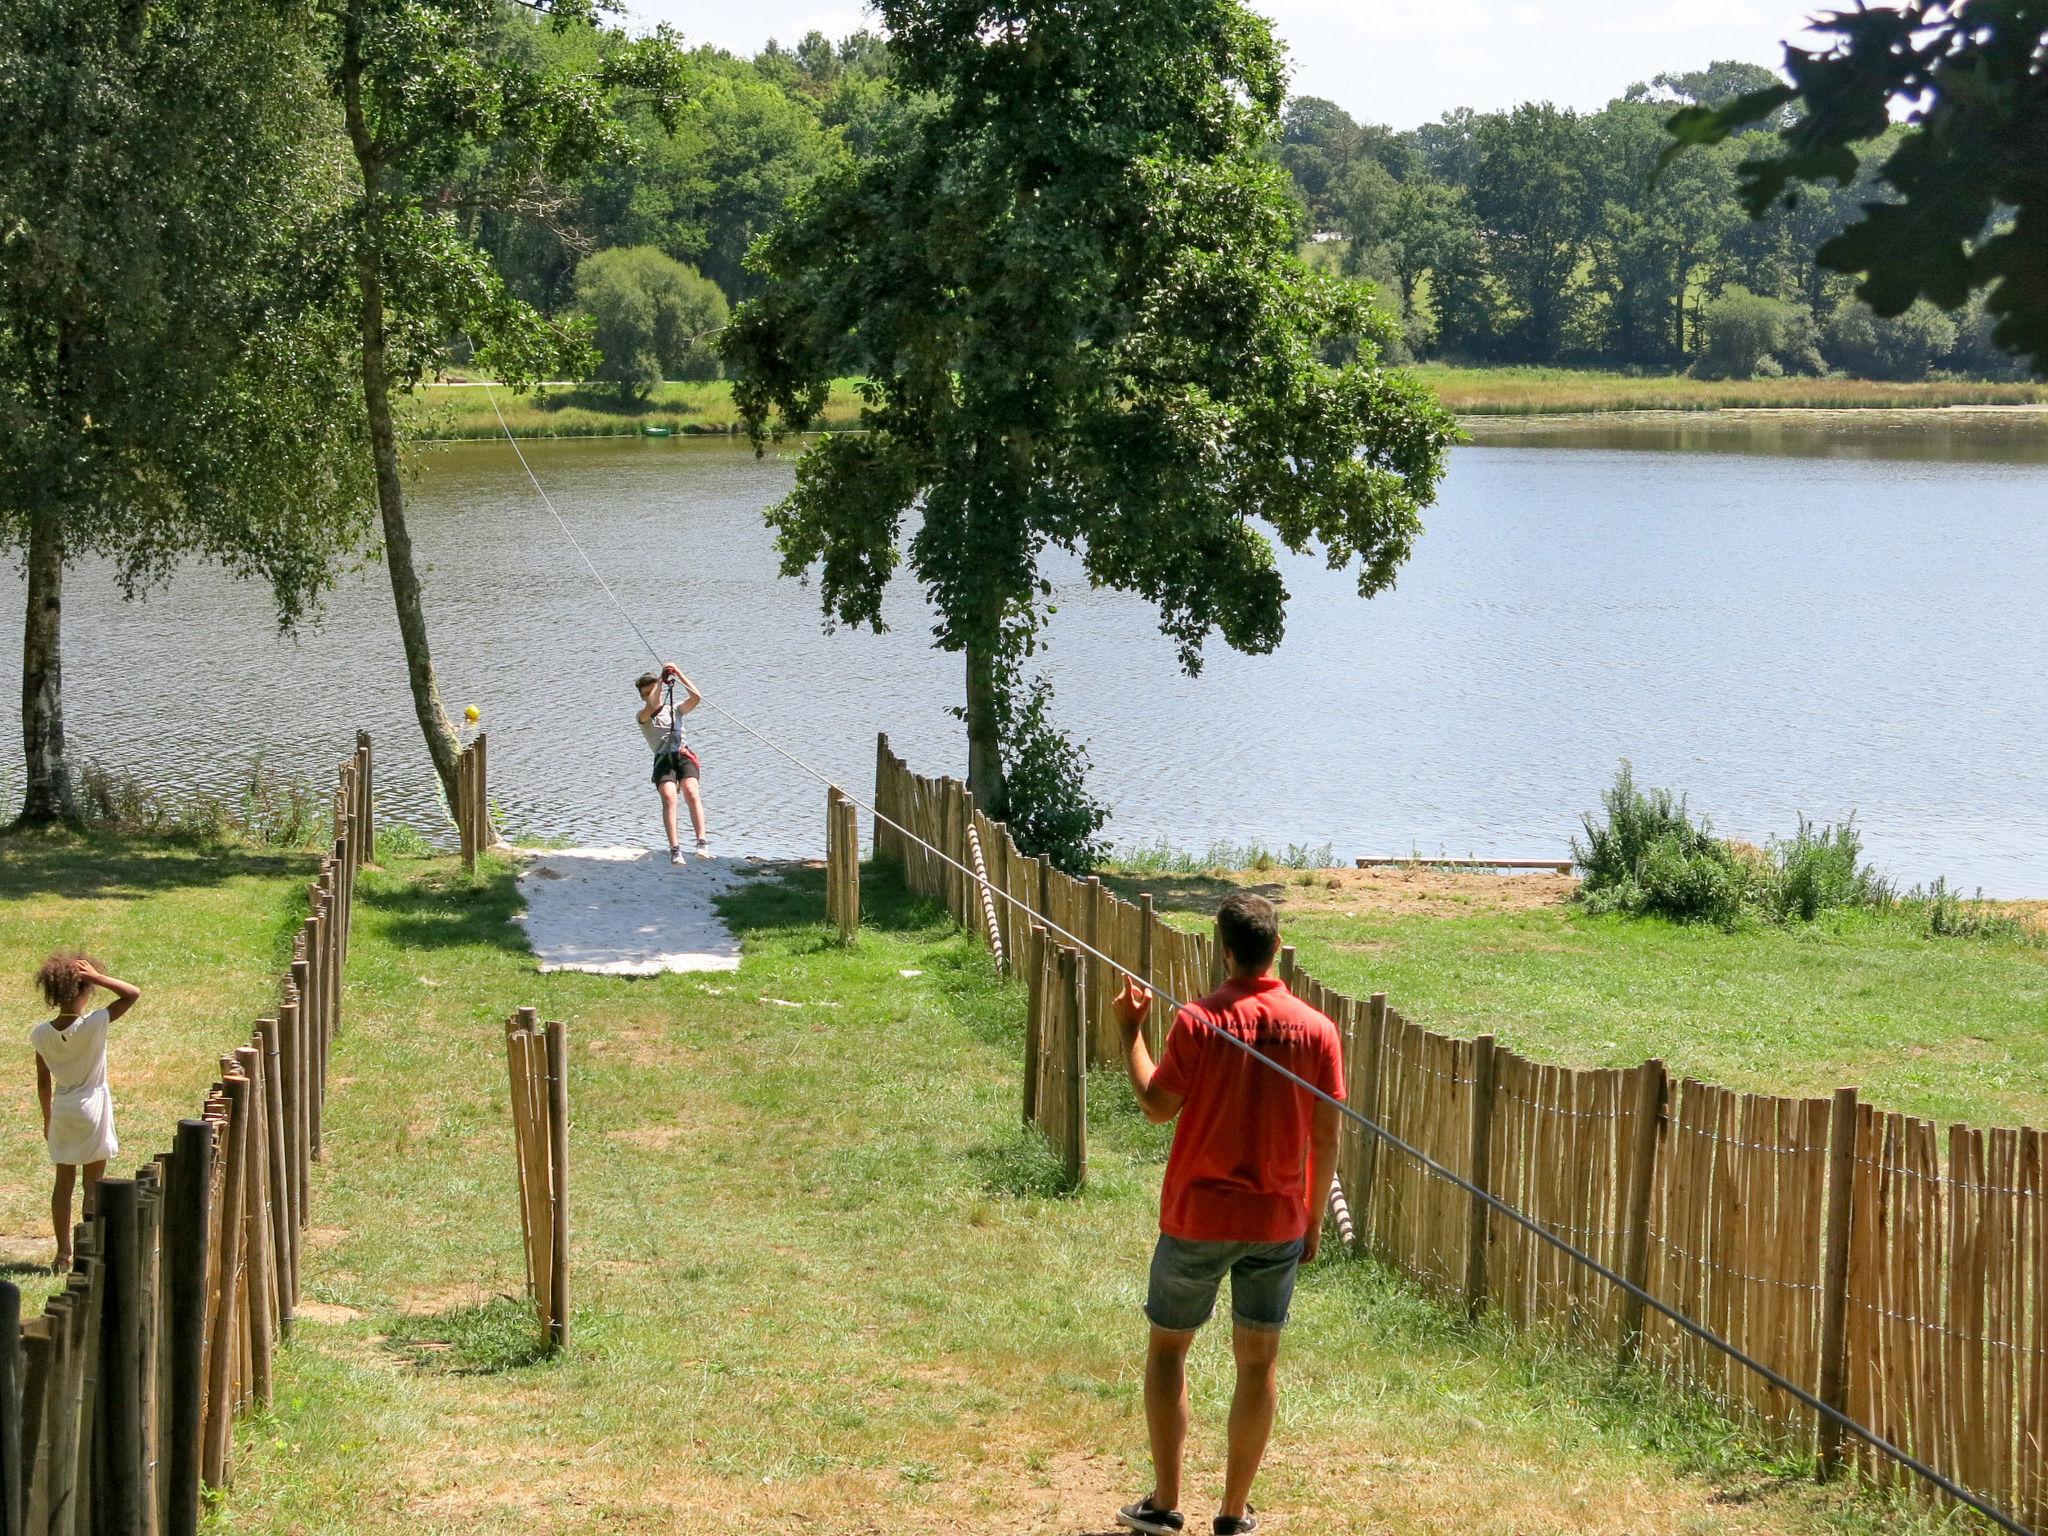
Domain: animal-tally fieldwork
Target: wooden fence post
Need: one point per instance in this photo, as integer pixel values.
(13, 1408)
(1095, 1019)
(185, 1228)
(1651, 1086)
(1034, 1021)
(279, 1173)
(885, 805)
(558, 1173)
(366, 831)
(849, 851)
(117, 1417)
(1074, 1057)
(224, 1336)
(1834, 1295)
(1147, 964)
(1480, 1165)
(308, 1013)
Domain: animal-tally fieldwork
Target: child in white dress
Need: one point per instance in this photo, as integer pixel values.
(71, 1081)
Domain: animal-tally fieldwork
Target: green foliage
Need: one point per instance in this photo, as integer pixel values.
(1073, 292)
(1951, 915)
(1745, 334)
(1163, 858)
(267, 812)
(654, 318)
(401, 840)
(1049, 810)
(1650, 856)
(1903, 346)
(1964, 206)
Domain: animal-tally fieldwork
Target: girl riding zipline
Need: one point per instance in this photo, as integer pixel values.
(675, 766)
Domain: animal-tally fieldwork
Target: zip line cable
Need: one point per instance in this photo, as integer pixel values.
(1492, 1202)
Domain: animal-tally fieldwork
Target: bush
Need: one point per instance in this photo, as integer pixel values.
(1650, 857)
(1050, 811)
(1748, 335)
(268, 812)
(1903, 347)
(1950, 915)
(1975, 353)
(654, 317)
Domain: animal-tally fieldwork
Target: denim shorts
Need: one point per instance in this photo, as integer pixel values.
(1187, 1274)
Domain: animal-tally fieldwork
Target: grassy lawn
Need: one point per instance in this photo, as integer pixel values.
(821, 1279)
(1949, 1028)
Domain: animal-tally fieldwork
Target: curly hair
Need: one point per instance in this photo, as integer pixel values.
(58, 976)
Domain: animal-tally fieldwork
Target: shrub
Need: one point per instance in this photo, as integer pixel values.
(1050, 811)
(268, 812)
(653, 315)
(1950, 915)
(1903, 347)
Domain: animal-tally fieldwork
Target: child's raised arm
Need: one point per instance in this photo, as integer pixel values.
(670, 669)
(125, 993)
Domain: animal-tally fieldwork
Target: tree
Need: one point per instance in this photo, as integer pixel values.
(167, 387)
(1072, 294)
(654, 318)
(426, 91)
(1903, 346)
(1744, 334)
(1967, 203)
(1537, 207)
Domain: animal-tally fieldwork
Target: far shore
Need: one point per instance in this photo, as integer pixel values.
(460, 409)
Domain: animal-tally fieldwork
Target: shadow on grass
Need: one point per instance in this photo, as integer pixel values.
(1019, 1164)
(97, 866)
(24, 1269)
(500, 1335)
(447, 909)
(792, 898)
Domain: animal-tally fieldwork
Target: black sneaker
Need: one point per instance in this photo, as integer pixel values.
(1237, 1525)
(1147, 1516)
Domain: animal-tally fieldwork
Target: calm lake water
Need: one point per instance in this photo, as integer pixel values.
(1818, 614)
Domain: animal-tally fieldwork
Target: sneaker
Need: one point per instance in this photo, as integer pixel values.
(703, 848)
(1146, 1516)
(1237, 1525)
(675, 855)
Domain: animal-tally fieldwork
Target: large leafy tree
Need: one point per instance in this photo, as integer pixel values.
(442, 119)
(168, 387)
(1070, 288)
(1965, 204)
(1533, 186)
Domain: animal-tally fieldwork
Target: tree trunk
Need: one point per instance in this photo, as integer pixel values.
(47, 796)
(442, 745)
(984, 732)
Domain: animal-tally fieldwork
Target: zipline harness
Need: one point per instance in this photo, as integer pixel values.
(1493, 1202)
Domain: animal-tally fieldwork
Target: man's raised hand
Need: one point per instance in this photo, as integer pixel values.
(1133, 1004)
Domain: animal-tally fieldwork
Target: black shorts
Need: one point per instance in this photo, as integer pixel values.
(674, 767)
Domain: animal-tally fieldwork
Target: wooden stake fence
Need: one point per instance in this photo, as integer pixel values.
(117, 1402)
(1838, 1245)
(472, 806)
(842, 864)
(538, 1058)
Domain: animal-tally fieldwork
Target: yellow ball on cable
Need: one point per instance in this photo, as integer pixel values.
(472, 714)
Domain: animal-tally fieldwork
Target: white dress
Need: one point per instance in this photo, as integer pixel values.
(81, 1108)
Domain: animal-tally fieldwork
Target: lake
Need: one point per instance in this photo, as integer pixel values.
(1776, 613)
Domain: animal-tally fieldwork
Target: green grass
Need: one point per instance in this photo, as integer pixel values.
(821, 1278)
(1948, 1028)
(1542, 391)
(465, 411)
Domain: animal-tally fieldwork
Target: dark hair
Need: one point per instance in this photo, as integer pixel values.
(1249, 928)
(58, 976)
(647, 680)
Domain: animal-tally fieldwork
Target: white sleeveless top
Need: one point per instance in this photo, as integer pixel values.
(81, 1108)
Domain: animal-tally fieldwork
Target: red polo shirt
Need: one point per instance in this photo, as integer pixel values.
(1238, 1172)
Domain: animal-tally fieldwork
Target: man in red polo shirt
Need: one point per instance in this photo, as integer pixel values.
(1246, 1187)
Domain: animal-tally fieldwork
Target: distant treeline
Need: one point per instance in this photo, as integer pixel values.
(1537, 235)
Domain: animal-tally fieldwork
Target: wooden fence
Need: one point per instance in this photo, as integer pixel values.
(539, 1060)
(1835, 1243)
(117, 1402)
(472, 806)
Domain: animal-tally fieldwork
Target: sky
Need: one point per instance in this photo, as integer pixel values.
(1401, 62)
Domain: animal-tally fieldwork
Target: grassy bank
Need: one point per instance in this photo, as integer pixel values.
(1543, 391)
(1943, 1027)
(464, 411)
(458, 411)
(821, 1278)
